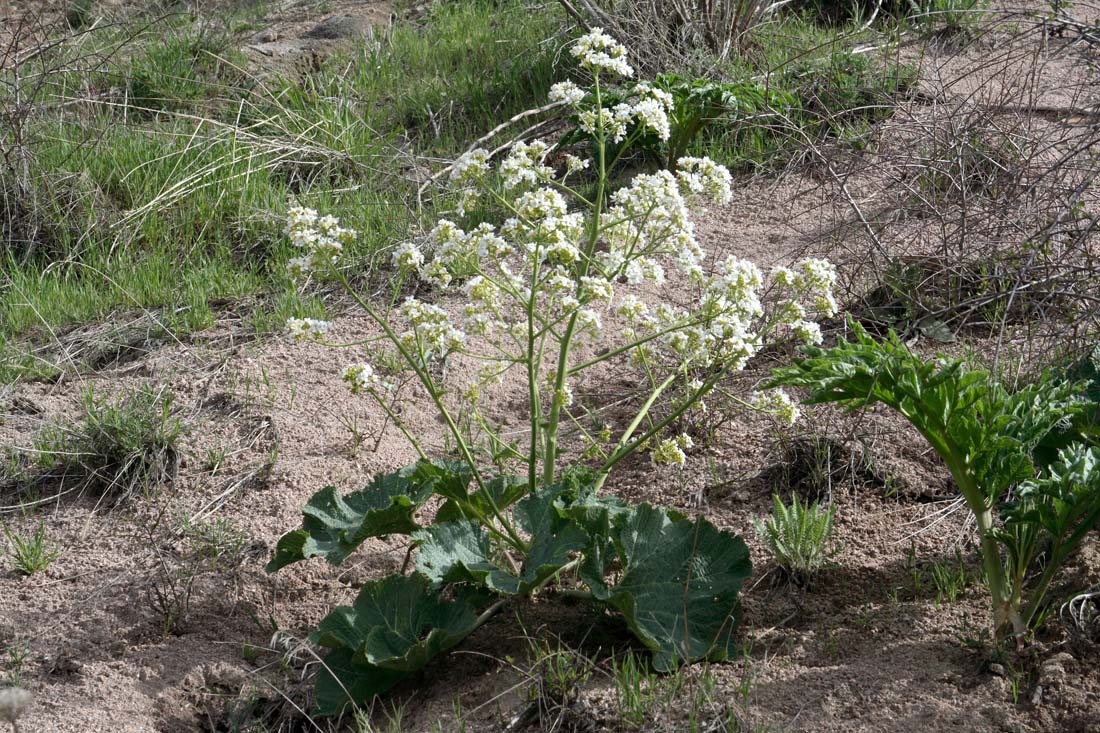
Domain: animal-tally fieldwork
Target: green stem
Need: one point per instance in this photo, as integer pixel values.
(429, 386)
(551, 455)
(400, 425)
(488, 613)
(533, 396)
(1006, 604)
(624, 449)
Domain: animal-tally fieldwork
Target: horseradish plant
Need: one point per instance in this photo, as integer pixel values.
(1023, 463)
(563, 287)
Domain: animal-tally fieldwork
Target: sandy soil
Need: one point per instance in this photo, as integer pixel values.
(870, 646)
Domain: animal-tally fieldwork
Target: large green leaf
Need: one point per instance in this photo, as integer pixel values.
(395, 627)
(679, 590)
(458, 552)
(503, 491)
(462, 552)
(333, 526)
(340, 681)
(985, 434)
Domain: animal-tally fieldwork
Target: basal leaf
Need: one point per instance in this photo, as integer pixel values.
(679, 589)
(333, 526)
(461, 552)
(458, 552)
(339, 681)
(503, 490)
(395, 627)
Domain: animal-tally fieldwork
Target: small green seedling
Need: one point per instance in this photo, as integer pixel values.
(798, 536)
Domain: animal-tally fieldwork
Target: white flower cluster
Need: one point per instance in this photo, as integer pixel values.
(567, 92)
(360, 377)
(606, 122)
(524, 164)
(307, 329)
(648, 107)
(670, 451)
(321, 237)
(777, 403)
(810, 284)
(704, 177)
(550, 273)
(432, 333)
(467, 174)
(597, 52)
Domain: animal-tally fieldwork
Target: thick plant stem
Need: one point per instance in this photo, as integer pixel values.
(551, 455)
(1005, 603)
(533, 397)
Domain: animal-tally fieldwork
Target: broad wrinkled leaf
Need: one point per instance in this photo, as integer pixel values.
(679, 589)
(503, 490)
(333, 526)
(339, 681)
(554, 535)
(454, 552)
(458, 552)
(395, 626)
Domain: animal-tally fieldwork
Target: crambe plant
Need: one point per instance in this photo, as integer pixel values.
(1030, 517)
(567, 284)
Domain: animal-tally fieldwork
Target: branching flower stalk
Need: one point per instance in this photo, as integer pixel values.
(541, 284)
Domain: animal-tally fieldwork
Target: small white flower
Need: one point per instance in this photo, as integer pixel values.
(322, 238)
(307, 329)
(669, 452)
(407, 257)
(471, 167)
(573, 164)
(807, 331)
(541, 205)
(645, 90)
(299, 267)
(359, 377)
(604, 121)
(598, 51)
(631, 308)
(524, 164)
(784, 276)
(777, 403)
(704, 176)
(596, 289)
(654, 115)
(588, 323)
(431, 327)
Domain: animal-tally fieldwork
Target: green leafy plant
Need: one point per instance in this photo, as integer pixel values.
(798, 535)
(948, 18)
(696, 105)
(515, 516)
(1030, 517)
(31, 554)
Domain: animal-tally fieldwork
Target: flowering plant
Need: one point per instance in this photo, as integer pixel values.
(563, 287)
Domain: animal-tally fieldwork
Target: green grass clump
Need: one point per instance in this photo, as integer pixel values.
(798, 536)
(116, 448)
(30, 554)
(162, 190)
